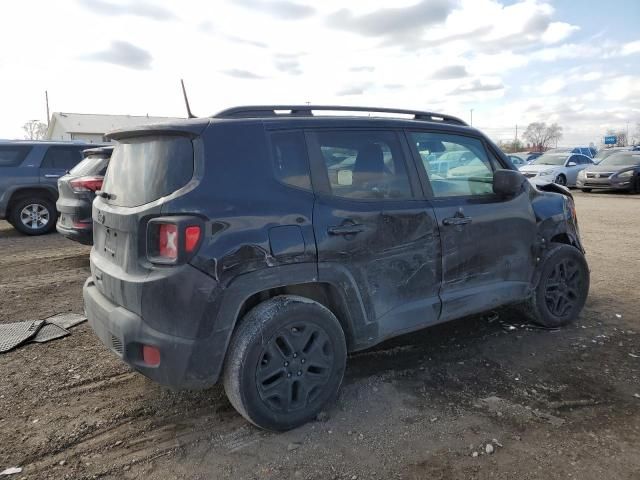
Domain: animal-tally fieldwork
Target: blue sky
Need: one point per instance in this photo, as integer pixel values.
(512, 62)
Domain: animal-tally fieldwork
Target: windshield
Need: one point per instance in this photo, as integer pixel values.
(621, 159)
(550, 159)
(602, 154)
(144, 169)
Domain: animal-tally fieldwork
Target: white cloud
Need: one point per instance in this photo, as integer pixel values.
(630, 48)
(551, 86)
(283, 51)
(558, 31)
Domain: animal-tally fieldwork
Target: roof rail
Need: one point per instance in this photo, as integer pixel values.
(260, 111)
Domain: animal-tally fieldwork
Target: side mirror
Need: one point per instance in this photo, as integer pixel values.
(571, 164)
(508, 183)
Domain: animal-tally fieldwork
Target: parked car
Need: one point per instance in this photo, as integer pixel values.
(29, 172)
(558, 167)
(76, 192)
(224, 248)
(527, 156)
(587, 151)
(605, 152)
(517, 160)
(620, 171)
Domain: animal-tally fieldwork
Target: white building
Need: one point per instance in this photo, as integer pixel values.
(90, 127)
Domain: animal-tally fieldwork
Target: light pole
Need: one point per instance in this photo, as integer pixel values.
(471, 112)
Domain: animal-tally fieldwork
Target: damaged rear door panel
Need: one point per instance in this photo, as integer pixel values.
(372, 225)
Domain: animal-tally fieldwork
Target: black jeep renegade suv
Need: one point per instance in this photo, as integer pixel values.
(262, 245)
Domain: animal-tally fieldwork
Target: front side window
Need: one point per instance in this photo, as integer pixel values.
(364, 165)
(456, 165)
(290, 161)
(12, 156)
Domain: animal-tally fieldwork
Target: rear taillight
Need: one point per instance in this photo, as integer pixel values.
(168, 241)
(86, 184)
(173, 240)
(192, 237)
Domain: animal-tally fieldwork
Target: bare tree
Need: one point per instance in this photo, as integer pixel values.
(35, 130)
(621, 137)
(541, 135)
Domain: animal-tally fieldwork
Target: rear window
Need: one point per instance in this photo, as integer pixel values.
(12, 156)
(144, 169)
(92, 165)
(62, 158)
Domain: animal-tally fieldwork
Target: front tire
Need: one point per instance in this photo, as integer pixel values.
(34, 215)
(285, 362)
(561, 180)
(561, 288)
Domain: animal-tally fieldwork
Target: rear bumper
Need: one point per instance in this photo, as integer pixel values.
(184, 363)
(81, 235)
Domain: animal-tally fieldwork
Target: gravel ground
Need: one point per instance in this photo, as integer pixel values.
(469, 399)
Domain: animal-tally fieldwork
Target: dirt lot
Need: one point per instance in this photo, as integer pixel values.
(553, 404)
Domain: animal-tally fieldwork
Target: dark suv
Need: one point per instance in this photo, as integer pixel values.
(29, 172)
(262, 245)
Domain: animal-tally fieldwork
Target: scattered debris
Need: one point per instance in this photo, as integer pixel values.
(499, 406)
(15, 334)
(293, 446)
(618, 315)
(634, 356)
(637, 395)
(496, 442)
(489, 448)
(474, 454)
(11, 471)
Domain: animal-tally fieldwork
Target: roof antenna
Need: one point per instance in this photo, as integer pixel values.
(186, 101)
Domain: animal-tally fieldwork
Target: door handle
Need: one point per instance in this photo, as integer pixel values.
(348, 229)
(51, 175)
(456, 221)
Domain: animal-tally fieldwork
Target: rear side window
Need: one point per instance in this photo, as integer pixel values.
(364, 165)
(63, 158)
(456, 165)
(12, 156)
(144, 169)
(92, 165)
(290, 161)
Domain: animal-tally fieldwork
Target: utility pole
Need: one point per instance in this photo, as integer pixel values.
(471, 111)
(627, 139)
(516, 132)
(46, 99)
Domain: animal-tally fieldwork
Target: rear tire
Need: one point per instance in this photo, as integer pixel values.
(285, 362)
(34, 215)
(561, 288)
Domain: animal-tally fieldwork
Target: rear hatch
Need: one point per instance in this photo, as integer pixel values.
(145, 172)
(77, 188)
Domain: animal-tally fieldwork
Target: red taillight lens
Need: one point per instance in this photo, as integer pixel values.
(86, 184)
(192, 235)
(150, 355)
(168, 241)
